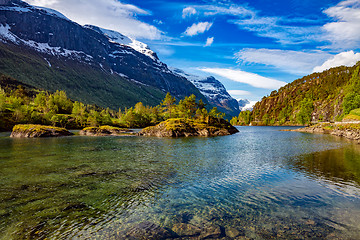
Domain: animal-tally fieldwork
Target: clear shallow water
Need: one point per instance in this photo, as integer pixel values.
(264, 183)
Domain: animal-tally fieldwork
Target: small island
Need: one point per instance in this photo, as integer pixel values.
(38, 131)
(182, 127)
(106, 131)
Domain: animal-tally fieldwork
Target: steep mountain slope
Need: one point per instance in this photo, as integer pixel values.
(214, 91)
(43, 48)
(316, 97)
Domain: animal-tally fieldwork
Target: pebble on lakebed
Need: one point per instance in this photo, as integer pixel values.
(38, 131)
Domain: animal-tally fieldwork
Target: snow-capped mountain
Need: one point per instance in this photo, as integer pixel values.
(214, 91)
(125, 69)
(245, 104)
(127, 41)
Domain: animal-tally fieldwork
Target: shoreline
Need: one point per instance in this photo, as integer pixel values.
(347, 130)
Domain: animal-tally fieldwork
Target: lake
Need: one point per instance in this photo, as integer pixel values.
(261, 183)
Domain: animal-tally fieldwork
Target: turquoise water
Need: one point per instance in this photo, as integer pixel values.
(258, 184)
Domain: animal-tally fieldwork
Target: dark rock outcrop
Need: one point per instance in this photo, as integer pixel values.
(38, 131)
(105, 131)
(181, 127)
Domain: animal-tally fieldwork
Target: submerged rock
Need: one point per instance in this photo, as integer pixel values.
(105, 131)
(182, 127)
(184, 230)
(38, 131)
(147, 230)
(232, 232)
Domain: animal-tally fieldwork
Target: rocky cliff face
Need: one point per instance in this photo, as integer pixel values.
(49, 34)
(214, 91)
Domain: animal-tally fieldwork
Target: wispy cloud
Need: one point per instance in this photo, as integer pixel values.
(344, 32)
(239, 93)
(198, 28)
(284, 31)
(109, 14)
(209, 41)
(296, 62)
(342, 59)
(188, 11)
(252, 79)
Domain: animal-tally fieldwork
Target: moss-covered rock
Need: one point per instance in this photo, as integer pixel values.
(182, 127)
(105, 131)
(38, 131)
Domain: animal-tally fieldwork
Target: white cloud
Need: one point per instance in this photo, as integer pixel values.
(188, 11)
(284, 31)
(234, 10)
(252, 79)
(342, 59)
(344, 32)
(209, 41)
(296, 62)
(198, 28)
(239, 93)
(109, 14)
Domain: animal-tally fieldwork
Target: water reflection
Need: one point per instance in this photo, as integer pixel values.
(259, 184)
(340, 165)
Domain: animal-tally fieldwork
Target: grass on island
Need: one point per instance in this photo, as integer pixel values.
(36, 128)
(186, 124)
(105, 127)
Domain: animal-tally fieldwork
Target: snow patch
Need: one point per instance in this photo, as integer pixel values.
(6, 34)
(118, 38)
(53, 12)
(15, 9)
(47, 62)
(208, 86)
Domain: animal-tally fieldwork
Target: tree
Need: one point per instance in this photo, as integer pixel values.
(168, 103)
(187, 107)
(352, 97)
(79, 113)
(351, 102)
(306, 108)
(215, 113)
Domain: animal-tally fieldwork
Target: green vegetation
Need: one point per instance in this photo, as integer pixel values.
(106, 127)
(82, 82)
(34, 130)
(243, 119)
(20, 104)
(185, 127)
(354, 115)
(319, 97)
(306, 108)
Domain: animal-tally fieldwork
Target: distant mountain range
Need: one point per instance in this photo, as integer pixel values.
(42, 48)
(245, 104)
(214, 91)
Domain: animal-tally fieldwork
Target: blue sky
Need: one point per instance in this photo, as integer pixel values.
(252, 47)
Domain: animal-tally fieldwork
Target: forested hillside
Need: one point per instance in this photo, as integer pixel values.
(21, 103)
(326, 96)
